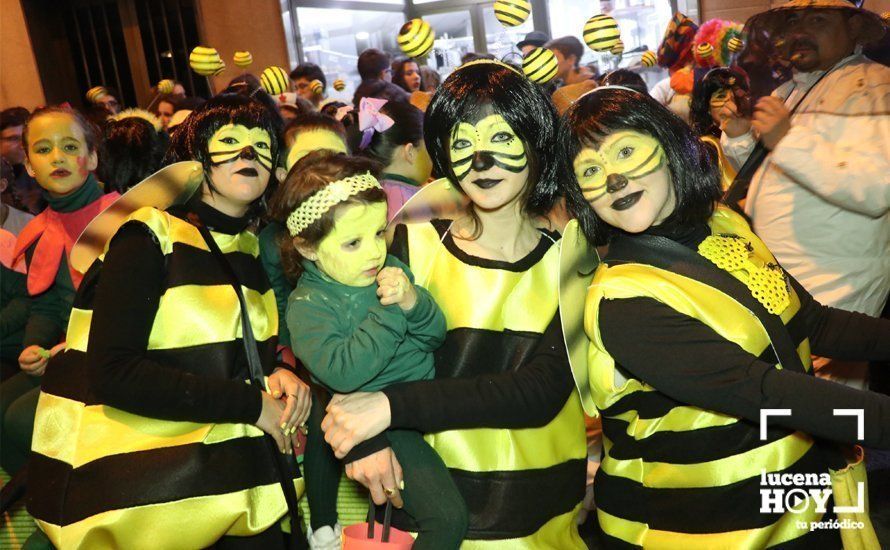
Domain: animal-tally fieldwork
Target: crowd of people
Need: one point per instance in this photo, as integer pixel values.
(256, 314)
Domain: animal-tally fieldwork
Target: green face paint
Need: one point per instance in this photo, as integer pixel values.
(229, 143)
(631, 154)
(492, 138)
(314, 140)
(355, 249)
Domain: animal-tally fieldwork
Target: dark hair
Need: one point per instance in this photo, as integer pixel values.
(567, 45)
(89, 130)
(131, 150)
(694, 173)
(14, 116)
(156, 109)
(330, 109)
(732, 78)
(309, 71)
(407, 128)
(626, 78)
(311, 174)
(398, 72)
(475, 56)
(313, 121)
(191, 103)
(473, 91)
(429, 78)
(371, 63)
(218, 111)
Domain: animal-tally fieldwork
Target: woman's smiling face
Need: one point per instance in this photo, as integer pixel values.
(626, 180)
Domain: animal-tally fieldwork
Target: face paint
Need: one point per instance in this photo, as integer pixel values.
(240, 166)
(489, 142)
(355, 250)
(314, 140)
(720, 98)
(626, 180)
(58, 157)
(234, 141)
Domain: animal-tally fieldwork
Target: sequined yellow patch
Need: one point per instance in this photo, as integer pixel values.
(766, 281)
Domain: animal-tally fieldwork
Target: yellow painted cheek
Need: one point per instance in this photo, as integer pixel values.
(348, 266)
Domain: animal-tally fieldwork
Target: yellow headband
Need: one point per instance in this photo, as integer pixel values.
(324, 199)
(490, 62)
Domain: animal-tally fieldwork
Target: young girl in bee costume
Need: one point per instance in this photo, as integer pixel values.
(147, 432)
(693, 330)
(501, 412)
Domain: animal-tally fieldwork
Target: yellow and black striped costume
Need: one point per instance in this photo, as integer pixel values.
(101, 477)
(674, 475)
(522, 487)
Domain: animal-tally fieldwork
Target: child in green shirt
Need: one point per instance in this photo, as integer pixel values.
(358, 323)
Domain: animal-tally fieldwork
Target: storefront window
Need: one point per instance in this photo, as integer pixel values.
(501, 40)
(454, 38)
(333, 38)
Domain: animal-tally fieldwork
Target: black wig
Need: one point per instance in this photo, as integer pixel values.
(720, 78)
(131, 151)
(475, 91)
(220, 110)
(694, 173)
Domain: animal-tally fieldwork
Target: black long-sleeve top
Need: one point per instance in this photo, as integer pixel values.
(681, 357)
(126, 301)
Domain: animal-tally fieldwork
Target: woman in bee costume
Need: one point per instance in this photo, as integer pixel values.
(503, 368)
(148, 433)
(694, 329)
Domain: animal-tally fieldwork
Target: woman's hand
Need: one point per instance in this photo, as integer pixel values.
(381, 473)
(285, 385)
(269, 421)
(354, 418)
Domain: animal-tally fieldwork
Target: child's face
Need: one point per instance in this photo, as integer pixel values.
(355, 249)
(58, 157)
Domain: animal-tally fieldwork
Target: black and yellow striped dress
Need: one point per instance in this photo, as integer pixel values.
(675, 475)
(522, 487)
(103, 477)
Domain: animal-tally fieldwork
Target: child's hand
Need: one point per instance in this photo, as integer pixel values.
(393, 287)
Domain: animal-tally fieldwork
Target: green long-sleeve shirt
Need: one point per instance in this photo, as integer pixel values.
(349, 342)
(270, 256)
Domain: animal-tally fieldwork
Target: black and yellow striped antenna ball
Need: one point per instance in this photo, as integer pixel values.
(416, 38)
(206, 61)
(512, 13)
(618, 48)
(648, 59)
(339, 85)
(540, 65)
(601, 33)
(274, 80)
(317, 87)
(735, 44)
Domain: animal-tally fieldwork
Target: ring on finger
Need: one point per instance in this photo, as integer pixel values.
(389, 492)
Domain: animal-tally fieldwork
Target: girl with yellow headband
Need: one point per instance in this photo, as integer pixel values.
(358, 322)
(694, 331)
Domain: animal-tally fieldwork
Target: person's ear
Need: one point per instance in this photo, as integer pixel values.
(855, 25)
(409, 151)
(280, 174)
(92, 161)
(29, 168)
(305, 250)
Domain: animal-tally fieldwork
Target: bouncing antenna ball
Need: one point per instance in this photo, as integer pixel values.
(601, 33)
(540, 65)
(274, 80)
(416, 38)
(512, 13)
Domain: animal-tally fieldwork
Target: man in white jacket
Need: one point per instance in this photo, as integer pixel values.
(821, 199)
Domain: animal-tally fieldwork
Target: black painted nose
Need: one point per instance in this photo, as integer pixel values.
(248, 153)
(482, 161)
(615, 182)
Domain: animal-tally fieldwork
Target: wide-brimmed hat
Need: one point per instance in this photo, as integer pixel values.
(771, 21)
